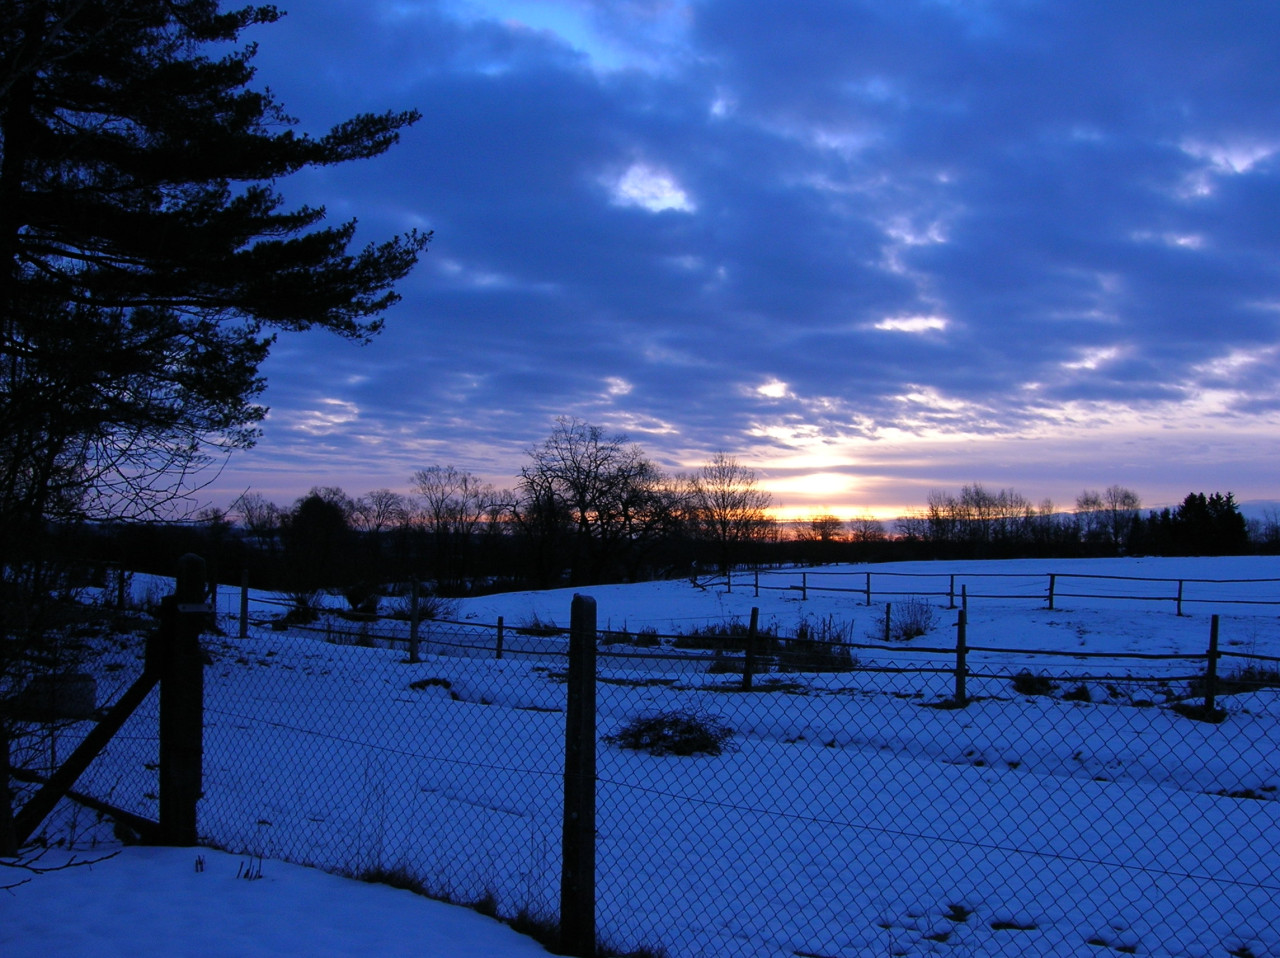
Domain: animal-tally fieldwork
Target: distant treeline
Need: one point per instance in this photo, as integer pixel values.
(591, 508)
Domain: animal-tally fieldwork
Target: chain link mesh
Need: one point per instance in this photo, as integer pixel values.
(1068, 805)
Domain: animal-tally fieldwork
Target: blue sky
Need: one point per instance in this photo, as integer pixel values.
(870, 248)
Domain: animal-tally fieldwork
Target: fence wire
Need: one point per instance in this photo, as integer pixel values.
(847, 804)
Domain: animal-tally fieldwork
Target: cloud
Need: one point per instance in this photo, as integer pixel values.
(650, 188)
(800, 224)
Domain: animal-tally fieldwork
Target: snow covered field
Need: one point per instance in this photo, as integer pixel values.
(855, 814)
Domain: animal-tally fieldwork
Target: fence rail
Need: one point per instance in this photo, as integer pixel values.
(844, 798)
(1008, 800)
(959, 585)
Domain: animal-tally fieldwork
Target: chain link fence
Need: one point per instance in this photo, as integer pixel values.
(845, 799)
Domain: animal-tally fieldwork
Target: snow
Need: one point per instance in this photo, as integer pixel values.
(855, 814)
(189, 903)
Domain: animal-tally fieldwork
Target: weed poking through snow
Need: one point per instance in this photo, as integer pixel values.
(675, 732)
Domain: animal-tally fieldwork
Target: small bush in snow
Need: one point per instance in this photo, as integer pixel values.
(533, 624)
(728, 636)
(431, 607)
(1030, 683)
(304, 607)
(1078, 694)
(674, 732)
(906, 620)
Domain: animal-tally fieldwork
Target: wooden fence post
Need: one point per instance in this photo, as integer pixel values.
(749, 657)
(868, 589)
(757, 595)
(414, 617)
(962, 654)
(1211, 668)
(888, 624)
(244, 603)
(1053, 584)
(951, 593)
(804, 586)
(1179, 597)
(183, 617)
(497, 645)
(8, 835)
(578, 874)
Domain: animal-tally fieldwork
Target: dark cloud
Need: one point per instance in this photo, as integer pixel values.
(793, 230)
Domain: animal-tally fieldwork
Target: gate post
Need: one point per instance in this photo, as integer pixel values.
(182, 619)
(578, 874)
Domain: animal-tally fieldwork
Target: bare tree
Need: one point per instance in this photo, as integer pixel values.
(728, 507)
(261, 518)
(1121, 506)
(595, 495)
(978, 518)
(453, 506)
(867, 529)
(1106, 518)
(818, 537)
(378, 510)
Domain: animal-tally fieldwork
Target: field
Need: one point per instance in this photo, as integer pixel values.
(855, 812)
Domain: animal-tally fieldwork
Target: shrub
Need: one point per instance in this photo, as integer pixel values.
(534, 625)
(362, 597)
(646, 638)
(1078, 694)
(729, 636)
(906, 620)
(431, 607)
(819, 645)
(1031, 683)
(1251, 677)
(304, 607)
(674, 732)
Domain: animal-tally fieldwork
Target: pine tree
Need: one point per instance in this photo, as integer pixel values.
(147, 261)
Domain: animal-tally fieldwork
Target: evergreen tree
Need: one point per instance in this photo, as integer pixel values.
(146, 260)
(1210, 525)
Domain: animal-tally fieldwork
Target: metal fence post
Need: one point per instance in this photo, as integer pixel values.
(185, 614)
(962, 651)
(578, 874)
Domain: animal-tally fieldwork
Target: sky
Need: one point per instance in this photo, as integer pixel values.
(871, 248)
